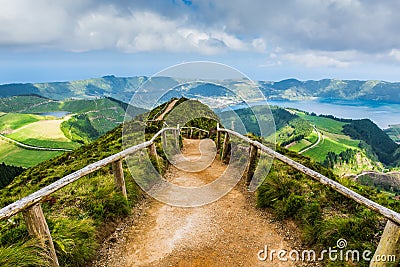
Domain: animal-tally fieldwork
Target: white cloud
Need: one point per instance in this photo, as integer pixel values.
(395, 53)
(104, 27)
(312, 59)
(259, 45)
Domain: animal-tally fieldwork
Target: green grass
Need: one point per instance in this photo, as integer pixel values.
(312, 138)
(394, 132)
(44, 133)
(326, 145)
(300, 145)
(304, 143)
(322, 215)
(324, 124)
(13, 155)
(26, 254)
(14, 120)
(76, 214)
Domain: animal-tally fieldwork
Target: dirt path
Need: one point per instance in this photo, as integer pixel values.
(168, 109)
(228, 232)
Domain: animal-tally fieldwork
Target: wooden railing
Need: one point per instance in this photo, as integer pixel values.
(30, 205)
(390, 240)
(193, 130)
(37, 226)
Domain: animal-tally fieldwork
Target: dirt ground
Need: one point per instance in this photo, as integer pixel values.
(228, 232)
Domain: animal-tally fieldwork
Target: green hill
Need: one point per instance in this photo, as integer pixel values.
(394, 132)
(352, 146)
(384, 147)
(82, 214)
(78, 214)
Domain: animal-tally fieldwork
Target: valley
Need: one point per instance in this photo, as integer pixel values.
(37, 123)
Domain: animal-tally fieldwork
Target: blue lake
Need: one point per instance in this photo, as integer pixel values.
(382, 114)
(57, 114)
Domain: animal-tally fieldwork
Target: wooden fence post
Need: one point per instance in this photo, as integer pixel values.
(252, 162)
(153, 151)
(388, 246)
(218, 140)
(119, 177)
(191, 133)
(224, 152)
(164, 139)
(38, 228)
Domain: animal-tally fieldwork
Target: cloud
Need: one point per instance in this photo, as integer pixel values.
(107, 27)
(395, 53)
(321, 28)
(318, 59)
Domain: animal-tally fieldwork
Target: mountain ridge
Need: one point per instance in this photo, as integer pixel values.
(121, 88)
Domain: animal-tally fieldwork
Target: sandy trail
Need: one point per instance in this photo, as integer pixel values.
(228, 232)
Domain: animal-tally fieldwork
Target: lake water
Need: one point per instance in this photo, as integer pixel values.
(57, 114)
(382, 114)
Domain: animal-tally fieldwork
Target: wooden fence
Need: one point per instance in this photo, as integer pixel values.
(30, 205)
(390, 240)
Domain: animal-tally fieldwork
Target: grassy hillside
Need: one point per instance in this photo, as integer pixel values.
(322, 215)
(394, 132)
(27, 104)
(102, 114)
(7, 174)
(32, 130)
(323, 138)
(80, 215)
(76, 214)
(13, 121)
(14, 155)
(43, 133)
(384, 147)
(83, 213)
(89, 119)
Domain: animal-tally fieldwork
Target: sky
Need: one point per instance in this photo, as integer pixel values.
(48, 40)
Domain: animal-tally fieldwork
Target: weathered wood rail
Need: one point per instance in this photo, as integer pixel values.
(390, 240)
(30, 205)
(193, 130)
(37, 226)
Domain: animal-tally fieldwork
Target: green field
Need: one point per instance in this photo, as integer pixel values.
(13, 155)
(312, 138)
(324, 124)
(326, 145)
(12, 121)
(36, 130)
(300, 145)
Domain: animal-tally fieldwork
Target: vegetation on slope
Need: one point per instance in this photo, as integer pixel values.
(381, 144)
(76, 214)
(7, 174)
(394, 132)
(79, 129)
(81, 214)
(322, 215)
(13, 121)
(13, 155)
